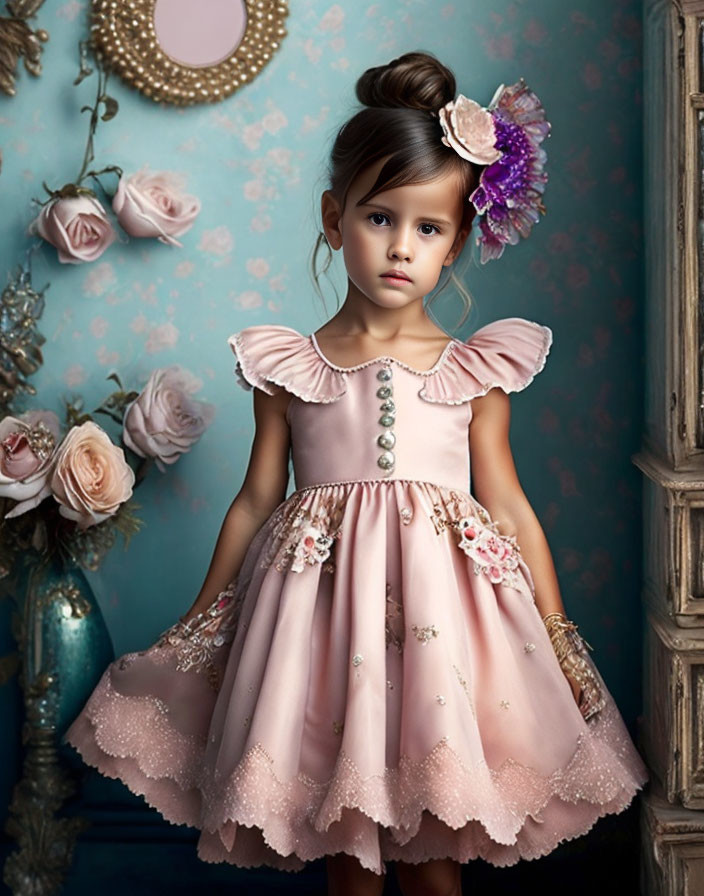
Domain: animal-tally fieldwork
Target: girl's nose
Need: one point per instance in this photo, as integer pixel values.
(400, 246)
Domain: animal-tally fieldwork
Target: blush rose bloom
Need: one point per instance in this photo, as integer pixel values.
(91, 477)
(164, 421)
(154, 205)
(469, 130)
(77, 226)
(25, 463)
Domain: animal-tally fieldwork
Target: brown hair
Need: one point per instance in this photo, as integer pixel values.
(399, 120)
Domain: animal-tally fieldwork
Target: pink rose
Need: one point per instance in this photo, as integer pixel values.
(469, 130)
(91, 477)
(314, 547)
(77, 226)
(164, 421)
(27, 449)
(495, 554)
(154, 205)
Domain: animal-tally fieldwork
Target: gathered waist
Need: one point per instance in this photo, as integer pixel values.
(387, 480)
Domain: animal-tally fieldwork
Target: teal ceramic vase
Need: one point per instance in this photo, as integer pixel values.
(67, 646)
(64, 648)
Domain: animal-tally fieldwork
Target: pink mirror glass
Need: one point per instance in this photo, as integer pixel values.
(199, 32)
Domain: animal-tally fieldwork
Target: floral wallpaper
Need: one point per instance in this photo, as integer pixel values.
(255, 162)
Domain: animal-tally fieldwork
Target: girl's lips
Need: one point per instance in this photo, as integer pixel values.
(397, 276)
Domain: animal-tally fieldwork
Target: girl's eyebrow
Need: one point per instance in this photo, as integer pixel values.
(429, 218)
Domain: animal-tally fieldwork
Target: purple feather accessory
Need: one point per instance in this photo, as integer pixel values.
(506, 138)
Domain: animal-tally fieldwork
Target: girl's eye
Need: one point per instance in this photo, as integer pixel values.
(378, 218)
(428, 229)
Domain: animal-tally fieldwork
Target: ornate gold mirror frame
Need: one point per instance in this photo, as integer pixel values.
(161, 47)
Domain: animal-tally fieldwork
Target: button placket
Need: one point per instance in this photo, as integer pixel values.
(386, 439)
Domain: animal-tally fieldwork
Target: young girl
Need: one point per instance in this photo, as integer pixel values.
(379, 666)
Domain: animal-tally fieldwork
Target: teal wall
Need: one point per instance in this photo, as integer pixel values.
(256, 160)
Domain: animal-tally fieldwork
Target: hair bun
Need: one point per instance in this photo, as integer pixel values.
(413, 81)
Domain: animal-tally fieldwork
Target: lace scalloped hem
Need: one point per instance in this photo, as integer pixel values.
(433, 808)
(357, 834)
(174, 803)
(501, 815)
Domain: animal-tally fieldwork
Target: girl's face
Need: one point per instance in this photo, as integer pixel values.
(396, 244)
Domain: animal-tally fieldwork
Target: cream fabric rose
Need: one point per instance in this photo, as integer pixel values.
(27, 450)
(91, 477)
(154, 205)
(469, 130)
(77, 226)
(164, 421)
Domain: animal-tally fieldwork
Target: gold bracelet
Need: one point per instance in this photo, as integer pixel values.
(571, 654)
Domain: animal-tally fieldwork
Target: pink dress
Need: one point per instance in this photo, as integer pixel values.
(377, 679)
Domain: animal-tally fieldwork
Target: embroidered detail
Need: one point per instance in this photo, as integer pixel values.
(529, 647)
(357, 659)
(197, 641)
(395, 631)
(453, 507)
(337, 727)
(425, 634)
(441, 700)
(389, 684)
(465, 687)
(406, 515)
(304, 530)
(504, 704)
(126, 661)
(314, 547)
(494, 554)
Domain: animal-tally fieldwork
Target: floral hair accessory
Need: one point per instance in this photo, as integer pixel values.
(505, 137)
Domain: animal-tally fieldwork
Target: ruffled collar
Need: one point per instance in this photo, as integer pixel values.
(506, 353)
(388, 359)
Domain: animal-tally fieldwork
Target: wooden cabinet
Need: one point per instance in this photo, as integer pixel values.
(672, 457)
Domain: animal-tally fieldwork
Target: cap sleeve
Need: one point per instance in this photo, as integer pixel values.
(506, 353)
(271, 357)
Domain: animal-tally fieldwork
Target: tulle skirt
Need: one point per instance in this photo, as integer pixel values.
(377, 680)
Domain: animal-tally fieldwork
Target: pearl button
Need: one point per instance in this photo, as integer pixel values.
(384, 374)
(387, 419)
(386, 439)
(386, 460)
(384, 392)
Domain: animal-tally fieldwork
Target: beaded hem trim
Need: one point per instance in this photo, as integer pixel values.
(297, 815)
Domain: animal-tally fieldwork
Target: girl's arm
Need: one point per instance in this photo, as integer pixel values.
(497, 488)
(263, 489)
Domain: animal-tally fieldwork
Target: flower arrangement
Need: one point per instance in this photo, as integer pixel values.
(69, 496)
(505, 138)
(146, 204)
